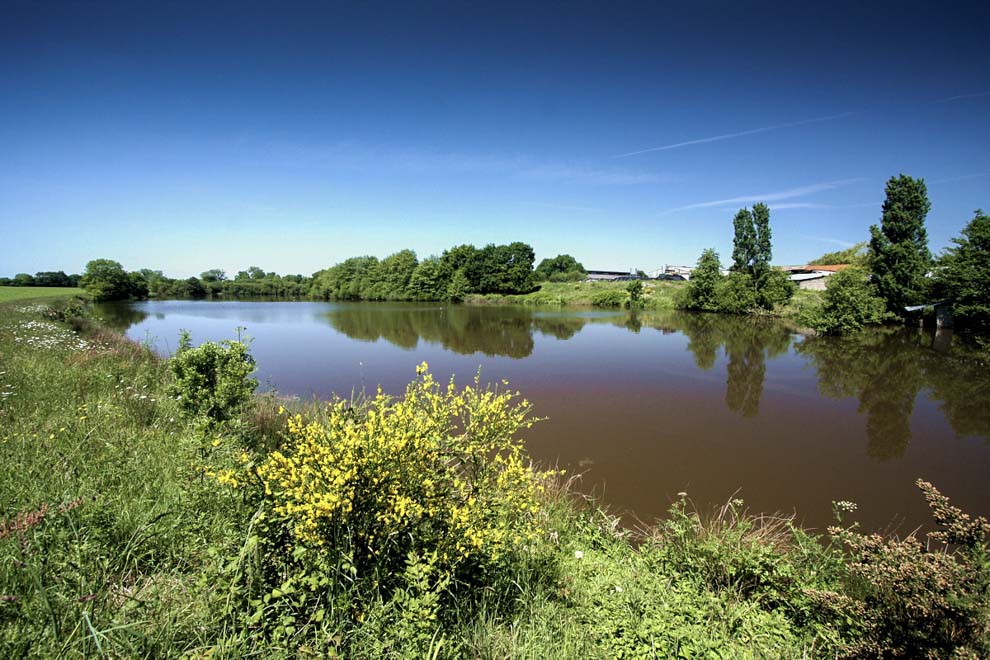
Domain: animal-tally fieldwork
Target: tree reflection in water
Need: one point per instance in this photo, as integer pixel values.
(885, 368)
(748, 343)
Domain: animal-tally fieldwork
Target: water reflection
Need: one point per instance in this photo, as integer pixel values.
(502, 331)
(654, 403)
(120, 317)
(747, 342)
(886, 368)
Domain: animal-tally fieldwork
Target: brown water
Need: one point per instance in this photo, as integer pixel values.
(649, 405)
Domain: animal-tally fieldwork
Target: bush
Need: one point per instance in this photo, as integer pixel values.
(610, 298)
(213, 380)
(774, 289)
(700, 293)
(411, 502)
(910, 601)
(736, 294)
(850, 302)
(635, 290)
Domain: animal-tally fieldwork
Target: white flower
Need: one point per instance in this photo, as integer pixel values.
(578, 554)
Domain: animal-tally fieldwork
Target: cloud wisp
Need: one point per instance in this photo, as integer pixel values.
(961, 97)
(730, 136)
(833, 241)
(962, 177)
(420, 162)
(777, 196)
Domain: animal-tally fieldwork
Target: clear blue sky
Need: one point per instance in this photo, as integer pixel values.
(187, 136)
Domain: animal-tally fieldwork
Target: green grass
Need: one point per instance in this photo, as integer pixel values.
(656, 295)
(113, 542)
(9, 293)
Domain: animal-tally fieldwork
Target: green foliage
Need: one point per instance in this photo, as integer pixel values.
(458, 287)
(751, 244)
(762, 248)
(427, 281)
(113, 541)
(495, 269)
(911, 600)
(899, 257)
(774, 289)
(105, 279)
(701, 291)
(963, 274)
(850, 302)
(855, 256)
(736, 294)
(213, 380)
(413, 502)
(562, 268)
(743, 241)
(213, 275)
(610, 298)
(751, 285)
(635, 290)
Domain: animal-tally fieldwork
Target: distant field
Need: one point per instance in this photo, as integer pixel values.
(8, 293)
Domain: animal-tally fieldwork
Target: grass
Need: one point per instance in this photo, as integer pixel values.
(12, 293)
(113, 542)
(656, 295)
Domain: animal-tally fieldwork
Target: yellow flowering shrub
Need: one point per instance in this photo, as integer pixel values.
(438, 471)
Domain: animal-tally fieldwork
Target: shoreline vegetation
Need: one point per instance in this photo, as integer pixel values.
(893, 279)
(157, 507)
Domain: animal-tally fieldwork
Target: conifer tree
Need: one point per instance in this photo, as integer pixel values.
(899, 256)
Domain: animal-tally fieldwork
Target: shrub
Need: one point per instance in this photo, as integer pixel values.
(407, 502)
(850, 302)
(212, 380)
(700, 293)
(773, 289)
(914, 602)
(635, 290)
(610, 298)
(736, 294)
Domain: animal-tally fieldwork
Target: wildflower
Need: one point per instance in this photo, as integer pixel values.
(579, 554)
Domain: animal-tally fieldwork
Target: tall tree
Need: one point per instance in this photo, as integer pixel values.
(963, 273)
(744, 241)
(762, 250)
(899, 256)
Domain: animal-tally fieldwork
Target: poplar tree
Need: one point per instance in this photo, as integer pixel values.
(744, 241)
(762, 250)
(899, 256)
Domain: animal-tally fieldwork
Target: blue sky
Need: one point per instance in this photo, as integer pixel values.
(187, 136)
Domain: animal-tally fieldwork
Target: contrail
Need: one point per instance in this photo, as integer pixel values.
(960, 97)
(960, 178)
(729, 136)
(770, 196)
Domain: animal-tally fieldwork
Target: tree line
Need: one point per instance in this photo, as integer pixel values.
(43, 278)
(456, 273)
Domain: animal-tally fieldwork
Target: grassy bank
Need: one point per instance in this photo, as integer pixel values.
(656, 295)
(128, 528)
(11, 293)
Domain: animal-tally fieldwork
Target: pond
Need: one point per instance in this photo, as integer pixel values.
(649, 405)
